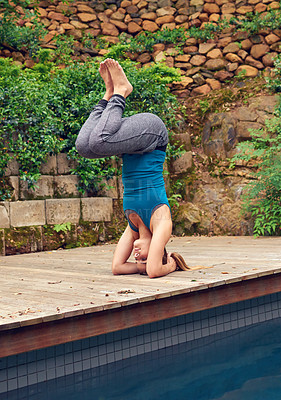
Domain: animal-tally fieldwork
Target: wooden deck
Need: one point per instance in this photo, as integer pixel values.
(53, 297)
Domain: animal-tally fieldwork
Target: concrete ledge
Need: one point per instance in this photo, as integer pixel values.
(66, 185)
(27, 226)
(59, 211)
(27, 213)
(5, 214)
(96, 209)
(18, 214)
(43, 189)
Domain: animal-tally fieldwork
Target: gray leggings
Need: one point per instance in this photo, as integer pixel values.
(106, 133)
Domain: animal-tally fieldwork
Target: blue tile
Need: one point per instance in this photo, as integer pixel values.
(42, 376)
(12, 361)
(174, 331)
(50, 363)
(267, 307)
(125, 334)
(32, 379)
(205, 332)
(12, 384)
(125, 343)
(126, 353)
(60, 360)
(12, 373)
(3, 363)
(110, 357)
(86, 354)
(60, 371)
(22, 359)
(118, 345)
(3, 375)
(118, 355)
(69, 369)
(68, 347)
(40, 354)
(51, 373)
(77, 345)
(102, 359)
(132, 341)
(197, 334)
(146, 328)
(86, 343)
(86, 364)
(3, 386)
(31, 367)
(175, 340)
(22, 381)
(68, 358)
(94, 340)
(147, 347)
(78, 367)
(77, 356)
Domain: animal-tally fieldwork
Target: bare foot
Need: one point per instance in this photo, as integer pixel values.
(120, 82)
(105, 74)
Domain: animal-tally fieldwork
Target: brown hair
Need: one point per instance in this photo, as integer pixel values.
(181, 264)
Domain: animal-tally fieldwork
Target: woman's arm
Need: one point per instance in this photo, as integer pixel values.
(161, 235)
(123, 251)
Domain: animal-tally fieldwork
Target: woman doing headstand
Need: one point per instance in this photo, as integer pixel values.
(141, 139)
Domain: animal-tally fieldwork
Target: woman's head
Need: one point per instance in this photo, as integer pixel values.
(141, 248)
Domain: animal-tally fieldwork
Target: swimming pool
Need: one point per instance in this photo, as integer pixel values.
(244, 364)
(208, 353)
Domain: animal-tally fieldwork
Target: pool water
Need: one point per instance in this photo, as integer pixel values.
(243, 364)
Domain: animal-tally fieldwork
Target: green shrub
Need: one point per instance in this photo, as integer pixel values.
(262, 198)
(42, 111)
(15, 35)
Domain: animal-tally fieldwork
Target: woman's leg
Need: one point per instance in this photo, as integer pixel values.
(106, 133)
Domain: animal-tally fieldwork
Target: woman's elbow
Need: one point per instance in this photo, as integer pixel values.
(152, 272)
(115, 268)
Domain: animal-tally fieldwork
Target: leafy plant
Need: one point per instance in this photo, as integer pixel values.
(262, 197)
(64, 49)
(14, 34)
(65, 227)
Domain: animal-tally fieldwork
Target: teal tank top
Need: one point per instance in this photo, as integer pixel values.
(144, 186)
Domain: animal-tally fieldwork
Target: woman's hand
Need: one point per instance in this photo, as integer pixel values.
(141, 266)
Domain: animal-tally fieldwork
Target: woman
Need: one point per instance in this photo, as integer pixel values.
(141, 140)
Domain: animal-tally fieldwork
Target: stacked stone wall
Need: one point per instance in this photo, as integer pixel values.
(56, 181)
(204, 66)
(28, 222)
(36, 225)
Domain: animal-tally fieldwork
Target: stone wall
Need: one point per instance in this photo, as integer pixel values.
(204, 66)
(56, 181)
(27, 223)
(34, 225)
(214, 197)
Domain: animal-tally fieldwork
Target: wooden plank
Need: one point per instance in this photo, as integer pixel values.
(87, 284)
(74, 328)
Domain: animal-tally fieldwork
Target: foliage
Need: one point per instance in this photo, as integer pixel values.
(65, 227)
(254, 22)
(43, 109)
(262, 197)
(64, 49)
(12, 31)
(146, 40)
